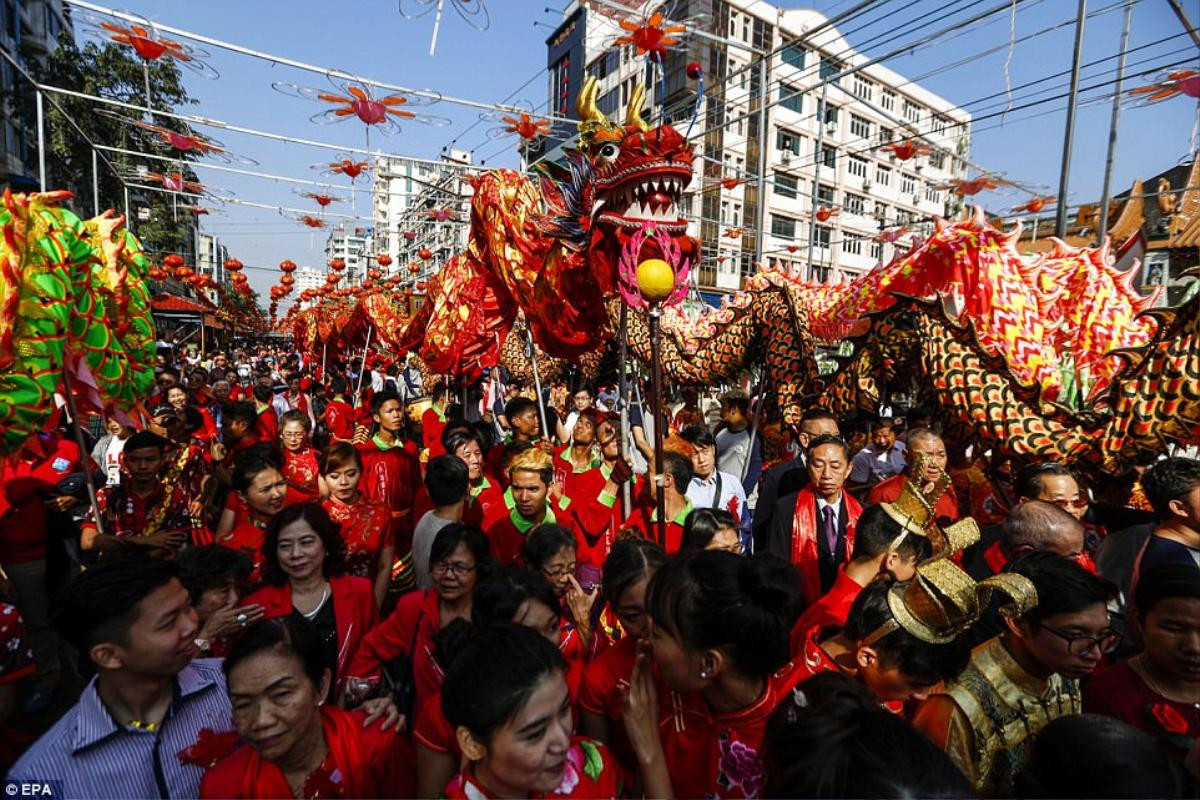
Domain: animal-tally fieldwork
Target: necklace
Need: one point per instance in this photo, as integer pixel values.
(1139, 666)
(309, 615)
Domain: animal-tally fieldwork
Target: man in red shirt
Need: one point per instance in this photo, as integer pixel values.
(27, 496)
(433, 422)
(266, 421)
(881, 549)
(815, 527)
(921, 442)
(143, 511)
(391, 474)
(676, 477)
(339, 415)
(532, 474)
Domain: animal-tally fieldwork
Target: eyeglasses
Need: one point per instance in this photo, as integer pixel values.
(1069, 502)
(559, 572)
(293, 435)
(1107, 642)
(451, 567)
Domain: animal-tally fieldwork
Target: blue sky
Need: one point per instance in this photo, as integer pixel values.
(370, 38)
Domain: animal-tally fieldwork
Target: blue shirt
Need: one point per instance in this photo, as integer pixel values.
(869, 466)
(90, 756)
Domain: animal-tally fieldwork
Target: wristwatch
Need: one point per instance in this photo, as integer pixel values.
(204, 645)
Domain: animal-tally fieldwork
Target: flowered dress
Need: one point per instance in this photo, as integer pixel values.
(1120, 692)
(300, 470)
(367, 527)
(589, 773)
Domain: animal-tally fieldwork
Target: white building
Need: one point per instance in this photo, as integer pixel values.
(354, 246)
(870, 188)
(211, 256)
(411, 197)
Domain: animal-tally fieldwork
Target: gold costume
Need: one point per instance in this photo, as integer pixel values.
(995, 709)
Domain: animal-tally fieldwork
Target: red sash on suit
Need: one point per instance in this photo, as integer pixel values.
(805, 552)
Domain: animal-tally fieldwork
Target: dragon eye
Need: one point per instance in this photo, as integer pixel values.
(608, 152)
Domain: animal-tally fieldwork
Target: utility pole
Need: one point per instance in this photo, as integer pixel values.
(1060, 218)
(812, 222)
(1102, 227)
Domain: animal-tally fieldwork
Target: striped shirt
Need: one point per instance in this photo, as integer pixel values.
(89, 756)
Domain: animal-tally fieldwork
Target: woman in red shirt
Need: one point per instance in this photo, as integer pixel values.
(304, 570)
(1158, 690)
(459, 558)
(339, 415)
(550, 549)
(506, 698)
(720, 644)
(627, 572)
(511, 594)
(260, 490)
(299, 457)
(286, 743)
(177, 397)
(368, 528)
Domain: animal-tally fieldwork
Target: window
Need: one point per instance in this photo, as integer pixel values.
(783, 227)
(932, 194)
(860, 128)
(786, 185)
(885, 135)
(937, 159)
(827, 156)
(793, 54)
(889, 100)
(876, 251)
(823, 237)
(724, 212)
(907, 183)
(852, 243)
(883, 176)
(855, 203)
(939, 125)
(826, 194)
(737, 214)
(863, 87)
(857, 166)
(830, 66)
(790, 97)
(881, 212)
(831, 114)
(912, 111)
(787, 142)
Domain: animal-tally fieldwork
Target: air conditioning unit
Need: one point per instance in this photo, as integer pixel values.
(916, 199)
(830, 127)
(866, 185)
(892, 158)
(920, 168)
(785, 157)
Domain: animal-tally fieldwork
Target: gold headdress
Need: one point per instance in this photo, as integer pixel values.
(913, 510)
(942, 601)
(593, 123)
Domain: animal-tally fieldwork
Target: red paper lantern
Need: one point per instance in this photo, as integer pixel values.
(287, 266)
(374, 274)
(173, 260)
(332, 278)
(384, 260)
(421, 286)
(337, 264)
(157, 274)
(410, 235)
(414, 268)
(425, 253)
(233, 265)
(694, 70)
(184, 273)
(286, 280)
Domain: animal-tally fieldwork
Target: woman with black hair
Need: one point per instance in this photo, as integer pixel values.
(260, 489)
(460, 558)
(291, 744)
(551, 549)
(506, 698)
(720, 643)
(627, 572)
(215, 577)
(831, 738)
(304, 569)
(711, 529)
(508, 595)
(1158, 690)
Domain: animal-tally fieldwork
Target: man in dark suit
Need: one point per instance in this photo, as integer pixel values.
(814, 527)
(790, 476)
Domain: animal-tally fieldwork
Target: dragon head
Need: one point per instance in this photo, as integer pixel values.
(623, 177)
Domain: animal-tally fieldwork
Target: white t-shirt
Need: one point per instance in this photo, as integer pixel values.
(112, 460)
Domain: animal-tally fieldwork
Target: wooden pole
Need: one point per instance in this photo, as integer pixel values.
(656, 370)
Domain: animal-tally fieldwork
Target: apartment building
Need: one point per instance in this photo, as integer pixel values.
(421, 205)
(352, 245)
(824, 165)
(29, 31)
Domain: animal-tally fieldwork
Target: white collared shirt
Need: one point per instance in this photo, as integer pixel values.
(822, 503)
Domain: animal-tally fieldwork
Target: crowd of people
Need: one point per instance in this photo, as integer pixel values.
(324, 580)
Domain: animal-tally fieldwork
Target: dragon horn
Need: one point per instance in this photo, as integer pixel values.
(633, 111)
(590, 117)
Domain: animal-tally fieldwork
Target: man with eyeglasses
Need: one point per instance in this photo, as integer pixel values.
(1018, 682)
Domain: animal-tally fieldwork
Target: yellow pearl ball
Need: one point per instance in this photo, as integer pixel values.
(656, 279)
